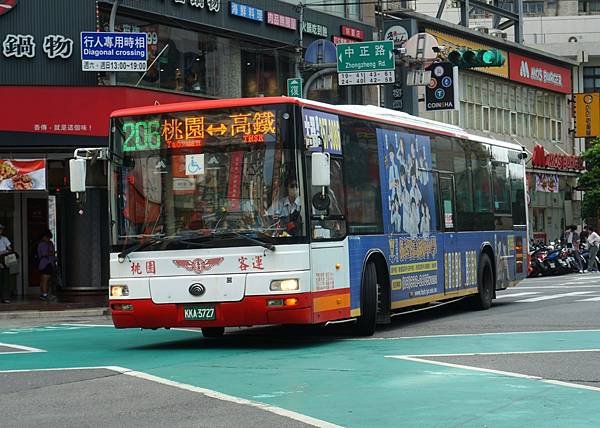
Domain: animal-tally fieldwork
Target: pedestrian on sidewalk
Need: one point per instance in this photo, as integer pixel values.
(5, 248)
(572, 240)
(593, 243)
(47, 263)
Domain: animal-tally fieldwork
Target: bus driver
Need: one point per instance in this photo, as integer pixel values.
(287, 208)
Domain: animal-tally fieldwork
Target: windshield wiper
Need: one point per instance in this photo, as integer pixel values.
(187, 237)
(263, 244)
(139, 246)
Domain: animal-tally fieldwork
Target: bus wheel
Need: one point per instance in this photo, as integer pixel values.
(213, 331)
(485, 285)
(365, 324)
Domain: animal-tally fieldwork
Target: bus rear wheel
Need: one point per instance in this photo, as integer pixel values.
(367, 321)
(485, 285)
(213, 331)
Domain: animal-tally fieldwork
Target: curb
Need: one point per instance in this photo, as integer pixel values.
(67, 313)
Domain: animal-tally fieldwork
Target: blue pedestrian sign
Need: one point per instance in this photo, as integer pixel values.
(114, 51)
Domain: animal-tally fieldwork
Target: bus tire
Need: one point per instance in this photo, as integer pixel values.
(485, 285)
(366, 322)
(213, 331)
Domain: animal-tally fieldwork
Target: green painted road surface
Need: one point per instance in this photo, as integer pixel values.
(349, 382)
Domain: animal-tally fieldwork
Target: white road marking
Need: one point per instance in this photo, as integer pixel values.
(208, 392)
(546, 287)
(499, 333)
(591, 299)
(553, 296)
(22, 349)
(517, 294)
(500, 372)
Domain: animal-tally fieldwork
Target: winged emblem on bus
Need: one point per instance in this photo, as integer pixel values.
(199, 265)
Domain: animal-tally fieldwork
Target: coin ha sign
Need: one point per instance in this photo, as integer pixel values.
(442, 91)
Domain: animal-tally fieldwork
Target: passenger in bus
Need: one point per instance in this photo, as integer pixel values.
(286, 210)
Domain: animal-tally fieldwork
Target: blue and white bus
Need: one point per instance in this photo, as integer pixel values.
(258, 211)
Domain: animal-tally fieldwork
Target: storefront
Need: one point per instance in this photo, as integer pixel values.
(52, 105)
(554, 204)
(36, 142)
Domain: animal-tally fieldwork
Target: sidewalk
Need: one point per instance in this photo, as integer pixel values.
(34, 308)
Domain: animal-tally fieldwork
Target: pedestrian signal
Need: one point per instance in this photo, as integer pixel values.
(466, 58)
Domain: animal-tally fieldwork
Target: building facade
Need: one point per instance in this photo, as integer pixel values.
(196, 50)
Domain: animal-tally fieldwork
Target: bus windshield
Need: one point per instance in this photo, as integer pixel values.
(209, 177)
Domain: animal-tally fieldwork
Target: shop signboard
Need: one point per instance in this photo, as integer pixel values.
(22, 174)
(538, 73)
(541, 159)
(102, 51)
(587, 115)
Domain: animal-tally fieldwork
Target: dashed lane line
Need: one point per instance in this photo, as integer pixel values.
(504, 296)
(553, 296)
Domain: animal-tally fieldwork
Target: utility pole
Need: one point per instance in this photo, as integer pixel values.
(300, 47)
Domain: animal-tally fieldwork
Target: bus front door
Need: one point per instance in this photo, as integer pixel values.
(452, 257)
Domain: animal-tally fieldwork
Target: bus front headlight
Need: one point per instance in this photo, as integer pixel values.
(284, 285)
(119, 290)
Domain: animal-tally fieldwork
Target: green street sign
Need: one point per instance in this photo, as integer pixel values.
(365, 56)
(294, 87)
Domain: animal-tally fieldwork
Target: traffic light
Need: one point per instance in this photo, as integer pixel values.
(467, 58)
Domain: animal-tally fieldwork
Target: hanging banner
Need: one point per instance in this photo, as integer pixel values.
(22, 174)
(587, 115)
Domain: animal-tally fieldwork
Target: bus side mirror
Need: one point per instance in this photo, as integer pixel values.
(77, 169)
(320, 169)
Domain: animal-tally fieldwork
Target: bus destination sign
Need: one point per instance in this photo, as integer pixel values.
(192, 130)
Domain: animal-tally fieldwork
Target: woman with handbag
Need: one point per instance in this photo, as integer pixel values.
(5, 250)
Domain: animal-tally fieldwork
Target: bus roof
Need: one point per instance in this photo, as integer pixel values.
(379, 114)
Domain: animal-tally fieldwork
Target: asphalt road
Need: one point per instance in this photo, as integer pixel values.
(533, 359)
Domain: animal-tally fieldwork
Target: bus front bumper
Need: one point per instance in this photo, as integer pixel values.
(303, 308)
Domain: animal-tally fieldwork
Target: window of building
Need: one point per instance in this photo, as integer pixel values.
(591, 79)
(589, 7)
(204, 64)
(533, 7)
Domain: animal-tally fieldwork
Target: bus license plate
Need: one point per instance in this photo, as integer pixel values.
(197, 313)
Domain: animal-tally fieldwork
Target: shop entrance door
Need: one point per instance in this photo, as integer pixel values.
(25, 217)
(35, 209)
(11, 218)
